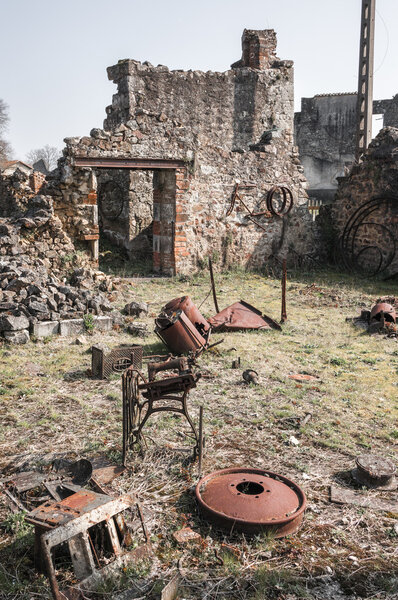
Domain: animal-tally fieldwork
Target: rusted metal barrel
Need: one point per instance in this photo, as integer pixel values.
(190, 309)
(178, 333)
(251, 501)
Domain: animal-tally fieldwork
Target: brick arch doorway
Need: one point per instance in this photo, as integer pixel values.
(169, 187)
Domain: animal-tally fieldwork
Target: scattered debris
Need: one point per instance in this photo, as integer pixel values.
(236, 363)
(347, 496)
(293, 441)
(375, 472)
(296, 421)
(91, 524)
(138, 329)
(186, 536)
(136, 309)
(81, 340)
(381, 319)
(251, 500)
(250, 376)
(303, 377)
(105, 361)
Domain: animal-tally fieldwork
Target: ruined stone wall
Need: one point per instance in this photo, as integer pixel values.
(224, 127)
(389, 109)
(375, 177)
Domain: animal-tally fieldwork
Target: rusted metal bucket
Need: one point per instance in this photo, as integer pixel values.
(178, 333)
(251, 501)
(190, 309)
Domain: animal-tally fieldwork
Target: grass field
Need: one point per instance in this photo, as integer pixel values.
(49, 407)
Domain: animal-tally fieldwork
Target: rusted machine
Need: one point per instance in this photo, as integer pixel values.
(91, 526)
(144, 397)
(104, 362)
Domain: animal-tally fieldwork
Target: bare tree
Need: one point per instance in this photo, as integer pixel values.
(49, 155)
(5, 148)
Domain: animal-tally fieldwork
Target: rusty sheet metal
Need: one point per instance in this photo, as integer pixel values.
(192, 312)
(251, 501)
(242, 315)
(178, 333)
(52, 514)
(382, 308)
(24, 481)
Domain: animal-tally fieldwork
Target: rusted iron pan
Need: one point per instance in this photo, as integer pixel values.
(178, 333)
(104, 471)
(104, 363)
(242, 315)
(383, 310)
(129, 163)
(192, 312)
(375, 471)
(347, 496)
(251, 501)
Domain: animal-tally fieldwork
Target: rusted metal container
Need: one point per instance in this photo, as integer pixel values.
(190, 309)
(387, 309)
(178, 333)
(251, 501)
(375, 471)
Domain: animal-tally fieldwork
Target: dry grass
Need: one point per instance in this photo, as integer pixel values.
(340, 552)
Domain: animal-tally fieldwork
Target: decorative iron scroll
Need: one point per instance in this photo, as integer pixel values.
(279, 203)
(367, 222)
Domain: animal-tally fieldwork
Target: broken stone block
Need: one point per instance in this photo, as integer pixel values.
(37, 307)
(186, 536)
(12, 323)
(45, 328)
(71, 327)
(136, 309)
(17, 337)
(103, 323)
(138, 329)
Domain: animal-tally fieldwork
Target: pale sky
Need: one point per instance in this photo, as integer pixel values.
(54, 54)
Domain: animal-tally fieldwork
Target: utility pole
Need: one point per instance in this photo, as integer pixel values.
(365, 78)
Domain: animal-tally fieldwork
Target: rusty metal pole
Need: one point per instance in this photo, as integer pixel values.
(284, 278)
(365, 78)
(213, 286)
(200, 441)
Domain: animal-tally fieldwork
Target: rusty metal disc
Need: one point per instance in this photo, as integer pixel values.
(251, 501)
(375, 471)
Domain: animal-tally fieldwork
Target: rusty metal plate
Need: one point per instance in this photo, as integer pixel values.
(242, 315)
(53, 514)
(251, 500)
(104, 471)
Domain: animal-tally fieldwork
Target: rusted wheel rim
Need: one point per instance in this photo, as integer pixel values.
(251, 500)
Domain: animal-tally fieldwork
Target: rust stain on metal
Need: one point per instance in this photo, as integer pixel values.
(242, 315)
(385, 311)
(251, 500)
(190, 309)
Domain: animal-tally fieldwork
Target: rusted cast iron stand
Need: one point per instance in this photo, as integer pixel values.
(143, 398)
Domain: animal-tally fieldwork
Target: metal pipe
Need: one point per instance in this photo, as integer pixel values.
(284, 278)
(213, 287)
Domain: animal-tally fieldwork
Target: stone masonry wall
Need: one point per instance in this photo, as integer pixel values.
(223, 127)
(375, 177)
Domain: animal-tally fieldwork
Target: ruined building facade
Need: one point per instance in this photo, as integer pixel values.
(325, 131)
(157, 180)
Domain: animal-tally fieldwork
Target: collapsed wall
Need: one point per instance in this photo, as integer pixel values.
(159, 177)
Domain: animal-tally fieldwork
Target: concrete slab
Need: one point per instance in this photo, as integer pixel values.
(71, 327)
(45, 328)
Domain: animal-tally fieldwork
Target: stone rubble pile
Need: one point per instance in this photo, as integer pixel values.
(30, 294)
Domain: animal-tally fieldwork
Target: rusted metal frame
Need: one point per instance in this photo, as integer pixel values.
(213, 285)
(79, 527)
(287, 200)
(129, 163)
(284, 279)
